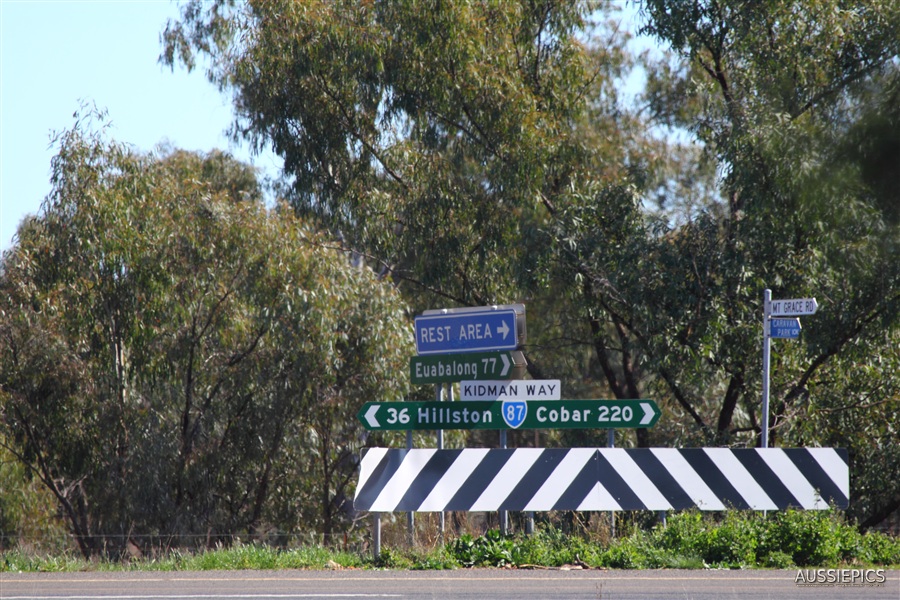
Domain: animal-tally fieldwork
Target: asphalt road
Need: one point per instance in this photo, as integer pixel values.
(461, 584)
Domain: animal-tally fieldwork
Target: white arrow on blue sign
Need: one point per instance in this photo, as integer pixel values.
(784, 328)
(466, 332)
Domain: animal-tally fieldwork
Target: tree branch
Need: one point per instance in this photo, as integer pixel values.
(355, 134)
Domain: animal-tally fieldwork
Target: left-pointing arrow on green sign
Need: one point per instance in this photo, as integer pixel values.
(369, 417)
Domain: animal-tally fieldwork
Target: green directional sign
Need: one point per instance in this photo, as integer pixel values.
(472, 366)
(510, 414)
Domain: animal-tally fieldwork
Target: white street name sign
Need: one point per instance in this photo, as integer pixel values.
(795, 307)
(532, 389)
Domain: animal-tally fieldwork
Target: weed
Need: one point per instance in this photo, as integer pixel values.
(689, 540)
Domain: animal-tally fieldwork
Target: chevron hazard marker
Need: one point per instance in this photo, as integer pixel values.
(541, 479)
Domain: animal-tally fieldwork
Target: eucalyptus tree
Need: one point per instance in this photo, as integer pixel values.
(405, 121)
(171, 346)
(439, 139)
(479, 153)
(796, 103)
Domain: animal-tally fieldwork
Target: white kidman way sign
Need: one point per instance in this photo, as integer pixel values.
(536, 389)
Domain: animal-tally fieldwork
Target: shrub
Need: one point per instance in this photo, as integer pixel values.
(879, 549)
(810, 538)
(553, 547)
(622, 556)
(733, 543)
(493, 549)
(685, 532)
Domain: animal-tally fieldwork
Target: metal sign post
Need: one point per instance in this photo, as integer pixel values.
(439, 396)
(376, 536)
(410, 516)
(503, 514)
(455, 344)
(611, 443)
(785, 328)
(767, 349)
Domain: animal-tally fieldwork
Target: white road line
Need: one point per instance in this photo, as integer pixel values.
(197, 596)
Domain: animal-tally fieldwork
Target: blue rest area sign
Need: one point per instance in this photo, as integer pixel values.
(784, 328)
(466, 332)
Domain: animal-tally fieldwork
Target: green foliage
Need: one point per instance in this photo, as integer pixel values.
(550, 546)
(623, 556)
(28, 518)
(235, 558)
(261, 557)
(415, 559)
(784, 539)
(449, 128)
(391, 559)
(17, 561)
(438, 559)
(690, 540)
(491, 549)
(480, 155)
(809, 538)
(693, 540)
(779, 93)
(475, 155)
(731, 543)
(182, 363)
(874, 548)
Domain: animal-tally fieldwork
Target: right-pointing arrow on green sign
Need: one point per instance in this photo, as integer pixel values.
(450, 368)
(650, 412)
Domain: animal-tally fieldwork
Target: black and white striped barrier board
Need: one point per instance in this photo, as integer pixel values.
(537, 479)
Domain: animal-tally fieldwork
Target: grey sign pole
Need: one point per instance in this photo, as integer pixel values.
(776, 325)
(410, 516)
(376, 536)
(504, 515)
(766, 357)
(439, 396)
(611, 443)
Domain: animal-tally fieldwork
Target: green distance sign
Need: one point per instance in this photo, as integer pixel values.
(470, 366)
(509, 414)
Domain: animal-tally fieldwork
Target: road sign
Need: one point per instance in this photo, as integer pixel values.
(784, 328)
(532, 389)
(795, 307)
(472, 366)
(509, 414)
(544, 479)
(466, 332)
(477, 329)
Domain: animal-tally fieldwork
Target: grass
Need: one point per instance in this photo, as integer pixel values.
(237, 557)
(689, 540)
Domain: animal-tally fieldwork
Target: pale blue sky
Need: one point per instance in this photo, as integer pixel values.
(53, 54)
